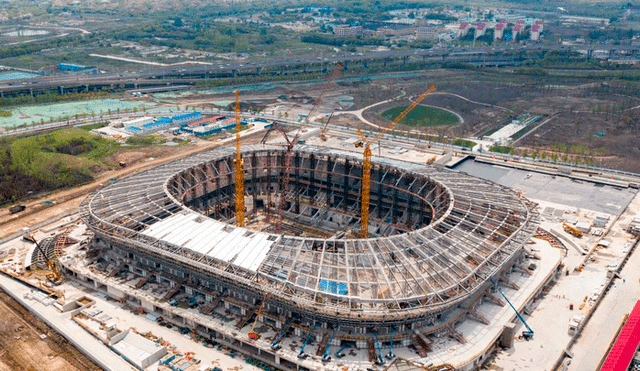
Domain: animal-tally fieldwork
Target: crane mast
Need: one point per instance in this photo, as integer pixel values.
(366, 163)
(239, 176)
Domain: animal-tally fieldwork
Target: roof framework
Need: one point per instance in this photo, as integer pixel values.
(473, 227)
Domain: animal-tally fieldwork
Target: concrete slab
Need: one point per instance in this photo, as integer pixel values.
(556, 189)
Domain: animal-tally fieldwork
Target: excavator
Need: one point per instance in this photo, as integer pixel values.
(55, 276)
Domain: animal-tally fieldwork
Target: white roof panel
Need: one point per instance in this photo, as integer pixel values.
(208, 237)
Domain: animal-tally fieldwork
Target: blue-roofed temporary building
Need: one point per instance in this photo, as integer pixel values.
(76, 68)
(135, 130)
(186, 118)
(73, 67)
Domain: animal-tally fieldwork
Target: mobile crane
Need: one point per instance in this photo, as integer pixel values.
(253, 335)
(55, 276)
(323, 133)
(528, 333)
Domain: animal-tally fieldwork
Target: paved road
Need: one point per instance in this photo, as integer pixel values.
(174, 74)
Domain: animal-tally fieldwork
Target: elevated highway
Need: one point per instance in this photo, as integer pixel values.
(167, 77)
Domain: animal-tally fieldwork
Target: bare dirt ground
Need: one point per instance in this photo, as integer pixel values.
(584, 108)
(23, 348)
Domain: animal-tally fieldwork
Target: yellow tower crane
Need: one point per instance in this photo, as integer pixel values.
(366, 162)
(239, 171)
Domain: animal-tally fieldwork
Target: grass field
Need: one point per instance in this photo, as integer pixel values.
(58, 159)
(61, 157)
(422, 116)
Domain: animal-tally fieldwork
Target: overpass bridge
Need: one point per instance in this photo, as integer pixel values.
(158, 79)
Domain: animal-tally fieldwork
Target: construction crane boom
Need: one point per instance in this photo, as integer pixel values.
(366, 162)
(528, 333)
(292, 142)
(56, 276)
(323, 133)
(239, 176)
(253, 334)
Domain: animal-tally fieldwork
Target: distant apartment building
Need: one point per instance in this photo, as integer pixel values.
(347, 30)
(498, 33)
(481, 29)
(535, 32)
(464, 29)
(517, 30)
(540, 25)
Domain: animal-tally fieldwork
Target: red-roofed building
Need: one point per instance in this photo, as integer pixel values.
(202, 122)
(205, 121)
(499, 31)
(481, 28)
(626, 345)
(535, 32)
(517, 29)
(463, 29)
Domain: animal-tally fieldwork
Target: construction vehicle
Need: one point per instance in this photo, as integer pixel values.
(390, 355)
(292, 142)
(302, 354)
(526, 334)
(379, 358)
(340, 352)
(572, 230)
(276, 342)
(326, 357)
(323, 133)
(253, 335)
(55, 276)
(366, 162)
(431, 160)
(270, 128)
(16, 209)
(239, 173)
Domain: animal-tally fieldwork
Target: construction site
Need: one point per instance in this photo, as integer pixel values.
(306, 251)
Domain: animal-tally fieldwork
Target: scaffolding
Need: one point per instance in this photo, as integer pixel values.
(448, 232)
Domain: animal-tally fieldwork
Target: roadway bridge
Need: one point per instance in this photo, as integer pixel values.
(158, 79)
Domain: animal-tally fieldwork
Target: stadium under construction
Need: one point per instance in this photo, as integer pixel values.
(440, 244)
